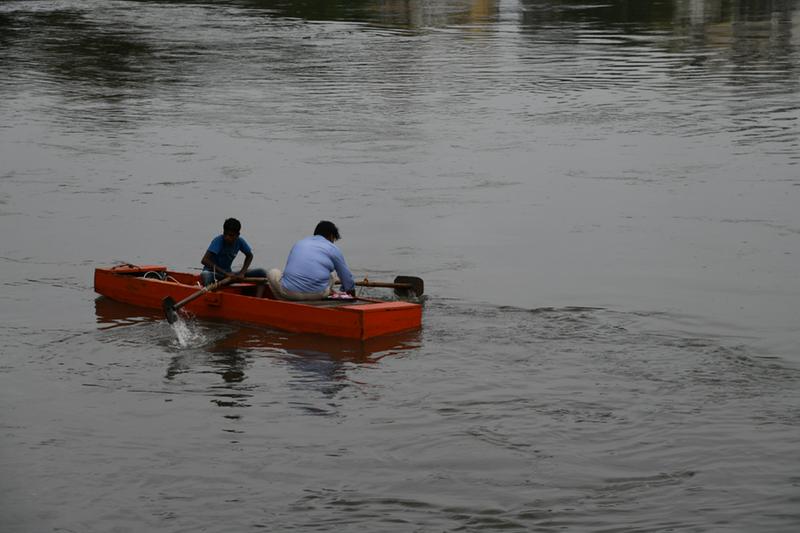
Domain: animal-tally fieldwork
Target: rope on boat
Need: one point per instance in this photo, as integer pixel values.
(160, 275)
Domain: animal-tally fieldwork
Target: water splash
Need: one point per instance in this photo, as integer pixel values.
(187, 332)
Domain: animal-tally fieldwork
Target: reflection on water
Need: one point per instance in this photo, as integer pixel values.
(318, 368)
(118, 49)
(121, 66)
(227, 347)
(111, 314)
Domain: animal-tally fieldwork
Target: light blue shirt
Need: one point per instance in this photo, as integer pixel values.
(223, 254)
(310, 263)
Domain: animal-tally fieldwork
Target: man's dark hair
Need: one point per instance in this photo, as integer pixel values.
(232, 225)
(328, 230)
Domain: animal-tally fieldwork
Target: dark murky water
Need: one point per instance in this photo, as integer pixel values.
(601, 197)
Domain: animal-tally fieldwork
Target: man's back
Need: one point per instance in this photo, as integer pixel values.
(310, 264)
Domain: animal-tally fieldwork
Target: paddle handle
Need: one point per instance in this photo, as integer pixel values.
(400, 287)
(207, 288)
(383, 284)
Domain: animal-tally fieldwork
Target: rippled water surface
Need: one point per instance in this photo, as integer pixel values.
(602, 199)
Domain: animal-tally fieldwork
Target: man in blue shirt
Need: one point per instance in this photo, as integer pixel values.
(218, 259)
(312, 266)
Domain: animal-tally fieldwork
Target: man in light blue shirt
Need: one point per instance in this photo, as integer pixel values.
(311, 267)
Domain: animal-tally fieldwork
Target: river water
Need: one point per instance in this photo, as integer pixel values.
(602, 198)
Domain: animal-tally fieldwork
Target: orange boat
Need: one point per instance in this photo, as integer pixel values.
(362, 318)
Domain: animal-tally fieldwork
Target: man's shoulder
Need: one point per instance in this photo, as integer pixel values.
(216, 243)
(325, 244)
(312, 245)
(307, 242)
(243, 245)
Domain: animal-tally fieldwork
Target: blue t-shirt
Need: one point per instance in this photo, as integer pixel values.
(310, 263)
(223, 254)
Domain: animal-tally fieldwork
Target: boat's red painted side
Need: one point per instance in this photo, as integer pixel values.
(356, 320)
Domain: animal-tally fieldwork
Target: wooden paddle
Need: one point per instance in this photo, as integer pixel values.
(171, 308)
(402, 285)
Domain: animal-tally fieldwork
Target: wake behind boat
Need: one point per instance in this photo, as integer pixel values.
(149, 285)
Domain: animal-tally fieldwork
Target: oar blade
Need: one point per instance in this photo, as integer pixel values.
(417, 286)
(168, 304)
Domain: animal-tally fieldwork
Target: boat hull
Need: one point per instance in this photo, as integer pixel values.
(360, 319)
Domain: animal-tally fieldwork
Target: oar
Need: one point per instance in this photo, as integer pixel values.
(171, 308)
(402, 285)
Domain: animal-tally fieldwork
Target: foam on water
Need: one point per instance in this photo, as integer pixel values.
(188, 333)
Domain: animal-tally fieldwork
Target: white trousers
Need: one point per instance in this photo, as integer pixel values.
(274, 277)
